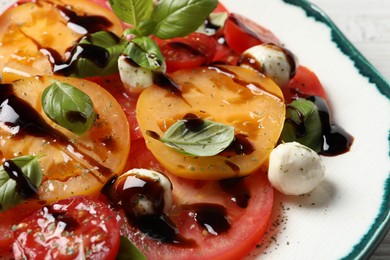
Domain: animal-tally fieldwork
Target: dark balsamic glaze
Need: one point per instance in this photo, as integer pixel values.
(162, 80)
(90, 23)
(240, 145)
(127, 192)
(60, 215)
(300, 127)
(76, 117)
(24, 187)
(193, 122)
(336, 140)
(237, 190)
(210, 27)
(28, 121)
(212, 217)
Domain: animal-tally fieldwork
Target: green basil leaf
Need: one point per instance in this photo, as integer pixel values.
(68, 107)
(303, 124)
(128, 251)
(209, 139)
(180, 18)
(8, 187)
(145, 52)
(106, 48)
(132, 11)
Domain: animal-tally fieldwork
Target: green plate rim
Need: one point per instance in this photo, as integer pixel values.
(381, 225)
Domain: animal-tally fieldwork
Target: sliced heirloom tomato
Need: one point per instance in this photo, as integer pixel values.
(242, 33)
(72, 164)
(34, 35)
(74, 228)
(231, 95)
(248, 202)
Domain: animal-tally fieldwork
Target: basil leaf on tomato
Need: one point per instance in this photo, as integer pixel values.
(207, 139)
(68, 107)
(145, 52)
(132, 11)
(11, 191)
(180, 18)
(99, 53)
(303, 124)
(128, 250)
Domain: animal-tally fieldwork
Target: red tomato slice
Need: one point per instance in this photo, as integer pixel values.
(242, 33)
(191, 51)
(305, 83)
(248, 225)
(73, 228)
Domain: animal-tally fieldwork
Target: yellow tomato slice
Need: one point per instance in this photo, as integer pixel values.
(76, 164)
(242, 98)
(32, 32)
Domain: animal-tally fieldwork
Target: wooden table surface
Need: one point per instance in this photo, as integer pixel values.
(366, 23)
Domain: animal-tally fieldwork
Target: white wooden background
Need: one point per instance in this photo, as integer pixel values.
(366, 23)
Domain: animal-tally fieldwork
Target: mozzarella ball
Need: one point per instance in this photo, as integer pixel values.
(145, 188)
(273, 61)
(295, 169)
(135, 78)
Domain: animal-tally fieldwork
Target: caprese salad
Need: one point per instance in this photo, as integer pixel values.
(145, 129)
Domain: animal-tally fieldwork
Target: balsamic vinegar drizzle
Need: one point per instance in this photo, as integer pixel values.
(127, 192)
(60, 214)
(24, 187)
(336, 140)
(237, 190)
(27, 121)
(212, 217)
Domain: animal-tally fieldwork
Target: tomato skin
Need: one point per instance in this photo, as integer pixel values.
(191, 51)
(248, 225)
(68, 229)
(242, 33)
(305, 83)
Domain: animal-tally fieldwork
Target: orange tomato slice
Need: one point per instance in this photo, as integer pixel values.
(242, 98)
(80, 164)
(31, 29)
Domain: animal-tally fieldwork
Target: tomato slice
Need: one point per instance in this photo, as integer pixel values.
(248, 224)
(73, 228)
(191, 51)
(35, 34)
(114, 85)
(242, 33)
(305, 83)
(230, 95)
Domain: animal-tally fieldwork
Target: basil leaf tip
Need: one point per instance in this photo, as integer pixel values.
(68, 107)
(128, 250)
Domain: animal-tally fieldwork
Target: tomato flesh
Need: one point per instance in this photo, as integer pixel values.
(74, 228)
(236, 243)
(305, 83)
(242, 33)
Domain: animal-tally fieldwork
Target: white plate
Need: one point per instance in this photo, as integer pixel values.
(346, 216)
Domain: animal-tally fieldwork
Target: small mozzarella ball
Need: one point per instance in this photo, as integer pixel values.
(295, 169)
(271, 60)
(135, 78)
(145, 187)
